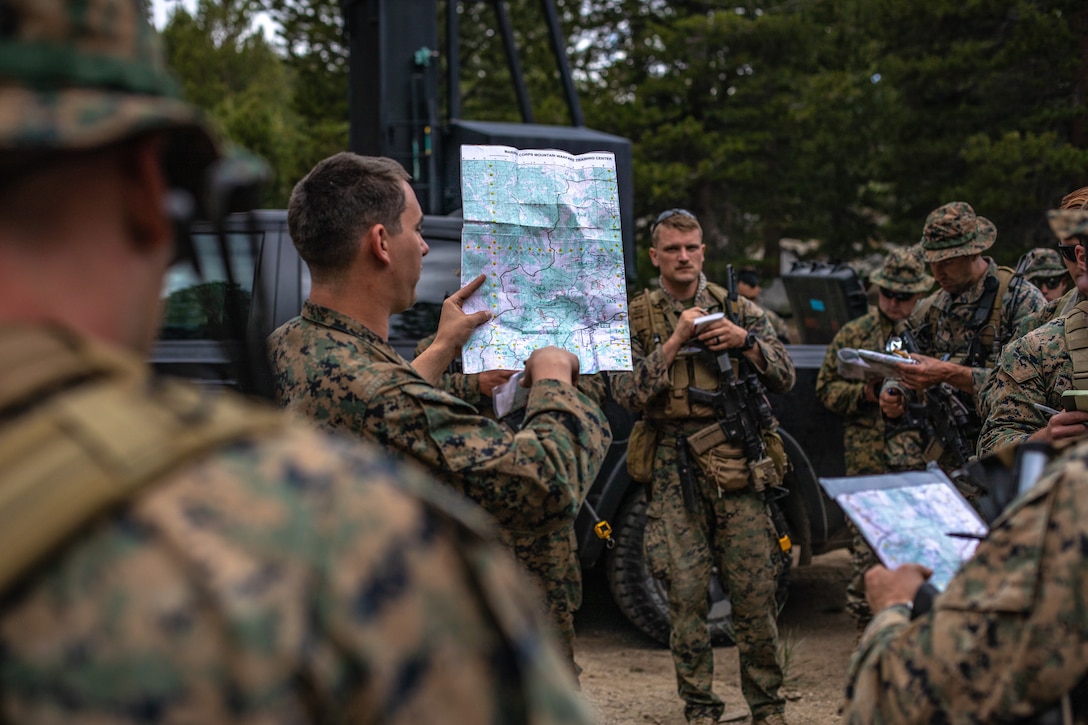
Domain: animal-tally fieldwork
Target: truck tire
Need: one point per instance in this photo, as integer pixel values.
(642, 598)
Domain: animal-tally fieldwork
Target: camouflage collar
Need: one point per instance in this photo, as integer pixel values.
(680, 303)
(328, 317)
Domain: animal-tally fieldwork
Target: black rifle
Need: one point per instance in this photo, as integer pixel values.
(731, 407)
(739, 404)
(947, 419)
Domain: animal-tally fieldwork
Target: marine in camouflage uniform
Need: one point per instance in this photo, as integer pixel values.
(1033, 370)
(341, 372)
(1050, 311)
(1044, 269)
(870, 446)
(239, 568)
(952, 242)
(1074, 201)
(551, 558)
(730, 527)
(282, 576)
(1005, 640)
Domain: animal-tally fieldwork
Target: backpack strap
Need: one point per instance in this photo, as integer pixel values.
(1076, 343)
(1005, 277)
(84, 428)
(641, 311)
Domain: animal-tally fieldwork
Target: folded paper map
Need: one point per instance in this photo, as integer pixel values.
(544, 226)
(870, 364)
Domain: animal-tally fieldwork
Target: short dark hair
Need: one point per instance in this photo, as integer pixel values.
(338, 201)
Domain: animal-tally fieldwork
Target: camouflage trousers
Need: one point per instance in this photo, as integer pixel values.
(733, 531)
(862, 559)
(552, 562)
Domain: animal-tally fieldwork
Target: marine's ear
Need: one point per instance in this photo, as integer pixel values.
(146, 188)
(376, 242)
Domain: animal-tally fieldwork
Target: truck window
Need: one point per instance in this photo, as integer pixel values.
(194, 309)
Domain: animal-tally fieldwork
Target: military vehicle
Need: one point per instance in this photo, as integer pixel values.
(393, 102)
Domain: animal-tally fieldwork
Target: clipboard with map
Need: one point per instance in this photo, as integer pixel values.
(914, 516)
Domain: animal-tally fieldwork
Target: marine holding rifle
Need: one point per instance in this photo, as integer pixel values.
(707, 449)
(870, 446)
(959, 331)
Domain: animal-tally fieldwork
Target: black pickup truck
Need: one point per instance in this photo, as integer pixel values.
(270, 283)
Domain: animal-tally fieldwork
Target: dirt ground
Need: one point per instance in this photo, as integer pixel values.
(628, 678)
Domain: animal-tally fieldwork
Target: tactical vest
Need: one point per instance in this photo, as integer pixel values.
(929, 314)
(1076, 343)
(83, 428)
(653, 321)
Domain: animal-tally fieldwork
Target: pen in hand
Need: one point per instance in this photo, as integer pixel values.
(1050, 412)
(1044, 409)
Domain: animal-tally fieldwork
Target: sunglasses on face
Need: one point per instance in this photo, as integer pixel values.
(1068, 252)
(1051, 282)
(897, 296)
(666, 214)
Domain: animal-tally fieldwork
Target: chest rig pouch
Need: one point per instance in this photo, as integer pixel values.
(654, 319)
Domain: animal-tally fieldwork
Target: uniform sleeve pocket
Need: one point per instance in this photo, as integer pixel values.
(1022, 373)
(462, 436)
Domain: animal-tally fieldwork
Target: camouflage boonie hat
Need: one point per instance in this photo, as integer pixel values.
(1043, 262)
(1066, 223)
(954, 230)
(903, 271)
(80, 74)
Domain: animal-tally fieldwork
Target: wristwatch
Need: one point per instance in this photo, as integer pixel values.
(749, 342)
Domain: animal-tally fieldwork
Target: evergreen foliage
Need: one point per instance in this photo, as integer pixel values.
(845, 121)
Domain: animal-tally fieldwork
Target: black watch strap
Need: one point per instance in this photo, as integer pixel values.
(749, 342)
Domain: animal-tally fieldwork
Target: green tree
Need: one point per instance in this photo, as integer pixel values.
(986, 109)
(228, 68)
(754, 117)
(312, 34)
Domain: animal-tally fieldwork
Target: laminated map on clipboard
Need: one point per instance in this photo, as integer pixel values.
(914, 516)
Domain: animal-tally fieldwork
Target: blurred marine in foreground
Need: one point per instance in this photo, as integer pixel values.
(174, 555)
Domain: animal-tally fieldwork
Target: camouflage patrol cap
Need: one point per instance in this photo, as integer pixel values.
(80, 74)
(903, 271)
(1066, 223)
(954, 230)
(1043, 262)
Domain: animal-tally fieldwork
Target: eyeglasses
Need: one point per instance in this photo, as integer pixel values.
(1068, 252)
(897, 296)
(666, 214)
(1051, 282)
